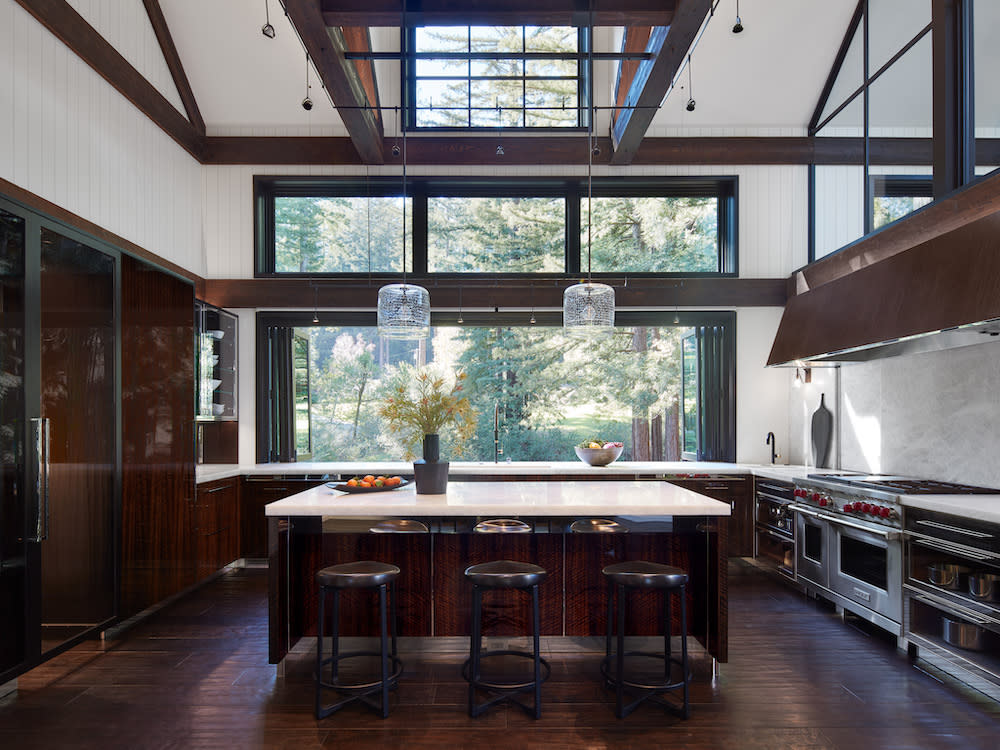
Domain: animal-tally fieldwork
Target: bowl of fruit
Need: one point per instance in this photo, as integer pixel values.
(598, 452)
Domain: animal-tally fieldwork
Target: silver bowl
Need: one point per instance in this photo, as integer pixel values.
(598, 456)
(948, 575)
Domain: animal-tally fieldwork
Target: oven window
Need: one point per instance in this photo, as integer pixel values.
(864, 562)
(813, 542)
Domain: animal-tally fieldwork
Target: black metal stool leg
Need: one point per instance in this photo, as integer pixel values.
(384, 651)
(610, 624)
(475, 646)
(335, 640)
(538, 664)
(319, 652)
(394, 618)
(667, 627)
(620, 687)
(684, 656)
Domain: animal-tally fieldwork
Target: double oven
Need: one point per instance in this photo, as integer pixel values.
(848, 548)
(952, 595)
(774, 526)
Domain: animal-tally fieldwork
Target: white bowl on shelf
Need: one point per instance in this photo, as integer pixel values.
(218, 409)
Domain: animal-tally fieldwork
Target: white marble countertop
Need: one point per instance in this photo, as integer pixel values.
(980, 507)
(212, 472)
(500, 499)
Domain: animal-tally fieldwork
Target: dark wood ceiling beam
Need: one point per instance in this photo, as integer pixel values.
(489, 12)
(174, 65)
(327, 47)
(506, 292)
(652, 80)
(358, 39)
(636, 40)
(524, 150)
(60, 18)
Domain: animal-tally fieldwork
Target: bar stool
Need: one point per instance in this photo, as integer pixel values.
(365, 574)
(621, 578)
(504, 574)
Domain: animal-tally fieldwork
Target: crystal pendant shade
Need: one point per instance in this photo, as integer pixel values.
(404, 311)
(589, 308)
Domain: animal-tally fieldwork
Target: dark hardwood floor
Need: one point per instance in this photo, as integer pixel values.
(195, 675)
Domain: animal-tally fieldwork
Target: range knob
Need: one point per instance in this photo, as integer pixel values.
(866, 507)
(848, 508)
(823, 502)
(815, 497)
(885, 512)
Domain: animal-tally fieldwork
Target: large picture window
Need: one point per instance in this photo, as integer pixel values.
(495, 77)
(664, 389)
(675, 226)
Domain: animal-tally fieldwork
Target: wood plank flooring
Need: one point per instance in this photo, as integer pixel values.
(195, 675)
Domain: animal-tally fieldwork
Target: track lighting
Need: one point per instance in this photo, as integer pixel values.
(307, 103)
(738, 26)
(690, 104)
(267, 29)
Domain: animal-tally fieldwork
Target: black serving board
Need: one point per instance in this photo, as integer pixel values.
(348, 488)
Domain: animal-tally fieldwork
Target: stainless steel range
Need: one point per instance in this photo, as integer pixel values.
(848, 539)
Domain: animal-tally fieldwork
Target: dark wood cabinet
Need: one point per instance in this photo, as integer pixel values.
(158, 482)
(737, 491)
(217, 525)
(255, 493)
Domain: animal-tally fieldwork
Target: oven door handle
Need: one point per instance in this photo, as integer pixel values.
(889, 535)
(779, 537)
(954, 549)
(954, 529)
(953, 609)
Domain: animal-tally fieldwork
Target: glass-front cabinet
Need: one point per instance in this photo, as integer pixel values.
(216, 341)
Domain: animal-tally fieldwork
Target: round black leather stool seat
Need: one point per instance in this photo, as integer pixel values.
(505, 574)
(357, 575)
(646, 575)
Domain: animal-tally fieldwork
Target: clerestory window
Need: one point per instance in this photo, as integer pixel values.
(501, 77)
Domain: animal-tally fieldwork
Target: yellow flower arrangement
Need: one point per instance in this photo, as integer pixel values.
(426, 406)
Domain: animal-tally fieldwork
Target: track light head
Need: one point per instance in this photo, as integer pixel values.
(690, 105)
(738, 26)
(395, 150)
(307, 104)
(267, 30)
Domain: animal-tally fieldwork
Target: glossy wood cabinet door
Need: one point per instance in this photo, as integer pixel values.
(158, 485)
(255, 493)
(738, 492)
(217, 525)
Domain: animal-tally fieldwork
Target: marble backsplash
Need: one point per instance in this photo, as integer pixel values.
(934, 415)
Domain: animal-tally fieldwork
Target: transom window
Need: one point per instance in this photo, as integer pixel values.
(674, 226)
(496, 77)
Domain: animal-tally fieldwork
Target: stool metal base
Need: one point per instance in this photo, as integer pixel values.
(505, 691)
(358, 691)
(649, 691)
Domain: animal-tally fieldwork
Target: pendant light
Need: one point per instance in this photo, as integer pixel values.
(589, 308)
(404, 310)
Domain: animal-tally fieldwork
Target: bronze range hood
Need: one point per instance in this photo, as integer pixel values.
(889, 295)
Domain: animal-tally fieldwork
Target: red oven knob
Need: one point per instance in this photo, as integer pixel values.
(885, 512)
(866, 508)
(848, 508)
(815, 497)
(822, 502)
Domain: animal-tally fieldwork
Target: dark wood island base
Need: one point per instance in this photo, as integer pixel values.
(434, 600)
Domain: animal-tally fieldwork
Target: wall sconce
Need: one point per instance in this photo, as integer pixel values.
(803, 375)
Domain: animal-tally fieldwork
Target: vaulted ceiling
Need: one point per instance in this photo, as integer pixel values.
(236, 93)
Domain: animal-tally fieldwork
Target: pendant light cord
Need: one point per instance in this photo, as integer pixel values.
(590, 138)
(403, 125)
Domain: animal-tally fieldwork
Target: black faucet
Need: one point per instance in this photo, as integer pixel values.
(773, 443)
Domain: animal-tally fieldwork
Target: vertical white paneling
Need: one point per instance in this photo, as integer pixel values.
(125, 25)
(70, 138)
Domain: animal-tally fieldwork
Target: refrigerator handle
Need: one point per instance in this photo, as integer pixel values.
(40, 426)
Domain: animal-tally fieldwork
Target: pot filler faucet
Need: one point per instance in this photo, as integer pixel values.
(497, 450)
(769, 440)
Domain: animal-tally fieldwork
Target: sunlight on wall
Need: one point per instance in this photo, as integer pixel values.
(867, 434)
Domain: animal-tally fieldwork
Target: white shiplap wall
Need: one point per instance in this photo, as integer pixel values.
(126, 27)
(69, 137)
(773, 209)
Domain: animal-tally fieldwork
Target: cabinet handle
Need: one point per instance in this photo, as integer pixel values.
(40, 426)
(216, 489)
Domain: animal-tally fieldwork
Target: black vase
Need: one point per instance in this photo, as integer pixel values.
(432, 448)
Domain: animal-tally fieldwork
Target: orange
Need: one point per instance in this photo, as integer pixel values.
(365, 484)
(368, 478)
(352, 482)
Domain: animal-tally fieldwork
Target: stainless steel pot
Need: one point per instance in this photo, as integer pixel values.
(964, 635)
(948, 575)
(985, 586)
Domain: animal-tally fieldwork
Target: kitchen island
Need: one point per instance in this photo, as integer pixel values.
(666, 523)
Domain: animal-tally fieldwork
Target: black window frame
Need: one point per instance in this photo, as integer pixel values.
(724, 188)
(410, 55)
(714, 330)
(897, 186)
